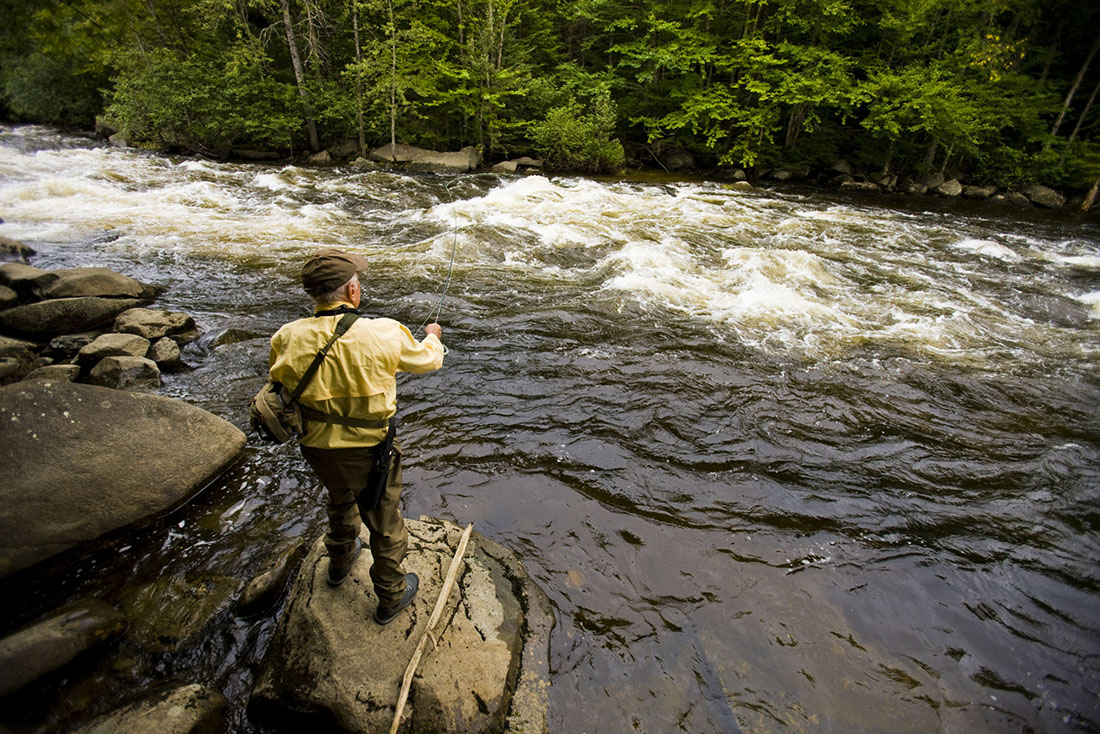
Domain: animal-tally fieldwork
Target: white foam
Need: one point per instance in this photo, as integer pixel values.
(1092, 300)
(988, 248)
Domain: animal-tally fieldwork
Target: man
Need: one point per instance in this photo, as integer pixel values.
(348, 407)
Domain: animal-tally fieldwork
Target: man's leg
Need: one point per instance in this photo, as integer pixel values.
(343, 472)
(389, 540)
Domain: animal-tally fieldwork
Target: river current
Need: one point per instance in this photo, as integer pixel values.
(783, 460)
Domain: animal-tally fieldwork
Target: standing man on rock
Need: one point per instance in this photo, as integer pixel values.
(350, 407)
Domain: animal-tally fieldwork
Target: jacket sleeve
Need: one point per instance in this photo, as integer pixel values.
(417, 357)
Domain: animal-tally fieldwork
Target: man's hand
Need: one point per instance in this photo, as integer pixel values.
(434, 328)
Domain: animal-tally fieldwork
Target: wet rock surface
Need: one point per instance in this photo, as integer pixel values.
(190, 709)
(331, 665)
(52, 642)
(80, 460)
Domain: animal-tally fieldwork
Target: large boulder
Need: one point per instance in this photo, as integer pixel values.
(50, 643)
(328, 663)
(77, 282)
(21, 277)
(418, 159)
(8, 298)
(1044, 197)
(15, 347)
(80, 460)
(63, 315)
(191, 709)
(950, 188)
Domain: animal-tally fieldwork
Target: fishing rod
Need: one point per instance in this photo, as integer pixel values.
(433, 315)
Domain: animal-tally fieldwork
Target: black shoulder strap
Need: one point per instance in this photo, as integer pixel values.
(341, 328)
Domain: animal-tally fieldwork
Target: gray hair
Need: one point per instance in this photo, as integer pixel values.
(339, 294)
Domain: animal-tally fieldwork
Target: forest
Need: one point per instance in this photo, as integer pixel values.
(1002, 90)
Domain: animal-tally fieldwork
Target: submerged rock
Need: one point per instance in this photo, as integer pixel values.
(48, 644)
(329, 664)
(171, 611)
(80, 460)
(264, 590)
(191, 709)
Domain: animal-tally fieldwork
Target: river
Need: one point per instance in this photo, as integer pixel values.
(783, 460)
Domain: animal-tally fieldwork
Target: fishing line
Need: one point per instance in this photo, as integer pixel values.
(433, 315)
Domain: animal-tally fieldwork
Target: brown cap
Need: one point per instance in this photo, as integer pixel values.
(328, 269)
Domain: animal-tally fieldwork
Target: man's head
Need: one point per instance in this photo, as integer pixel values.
(327, 272)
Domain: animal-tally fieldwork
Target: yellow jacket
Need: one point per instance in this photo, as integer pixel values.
(356, 379)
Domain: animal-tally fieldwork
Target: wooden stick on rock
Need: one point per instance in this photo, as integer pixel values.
(406, 682)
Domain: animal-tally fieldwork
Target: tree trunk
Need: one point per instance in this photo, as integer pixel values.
(358, 80)
(1091, 198)
(932, 147)
(794, 125)
(1073, 90)
(299, 74)
(1085, 112)
(393, 84)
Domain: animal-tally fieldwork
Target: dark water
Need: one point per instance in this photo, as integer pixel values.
(783, 461)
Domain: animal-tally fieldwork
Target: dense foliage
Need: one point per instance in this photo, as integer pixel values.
(1003, 89)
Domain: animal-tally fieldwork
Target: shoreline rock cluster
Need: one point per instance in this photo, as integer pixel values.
(88, 324)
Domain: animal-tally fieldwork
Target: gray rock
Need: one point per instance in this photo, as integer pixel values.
(9, 366)
(20, 277)
(841, 180)
(1045, 197)
(889, 182)
(324, 659)
(15, 347)
(418, 159)
(112, 345)
(166, 353)
(915, 189)
(14, 250)
(119, 140)
(740, 186)
(64, 315)
(80, 461)
(739, 175)
(49, 644)
(323, 157)
(868, 186)
(528, 162)
(266, 587)
(934, 180)
(67, 345)
(678, 159)
(153, 323)
(255, 155)
(57, 372)
(505, 167)
(780, 174)
(191, 709)
(842, 166)
(344, 149)
(364, 163)
(234, 335)
(77, 282)
(8, 298)
(949, 188)
(978, 192)
(1015, 197)
(126, 373)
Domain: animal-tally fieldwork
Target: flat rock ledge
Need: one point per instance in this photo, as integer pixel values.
(77, 461)
(330, 666)
(190, 709)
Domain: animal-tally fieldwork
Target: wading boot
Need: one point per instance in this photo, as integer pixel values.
(337, 573)
(385, 615)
